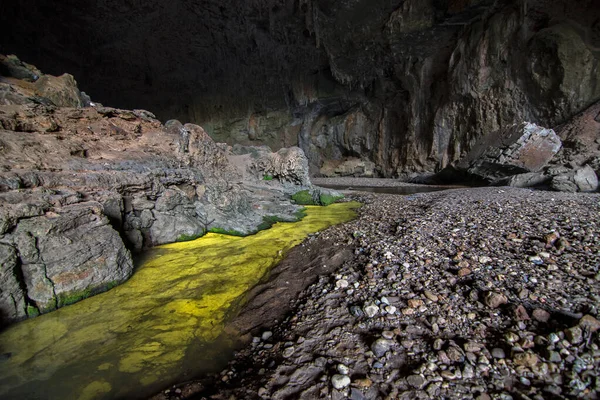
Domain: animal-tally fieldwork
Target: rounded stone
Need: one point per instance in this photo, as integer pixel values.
(340, 382)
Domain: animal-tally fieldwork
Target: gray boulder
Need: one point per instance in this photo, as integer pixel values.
(580, 180)
(586, 180)
(519, 149)
(526, 180)
(63, 257)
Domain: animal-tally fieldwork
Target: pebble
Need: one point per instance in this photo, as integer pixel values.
(343, 369)
(495, 300)
(340, 382)
(574, 335)
(416, 381)
(357, 311)
(468, 372)
(473, 347)
(342, 284)
(431, 296)
(266, 336)
(371, 310)
(408, 311)
(415, 303)
(388, 335)
(288, 352)
(526, 359)
(498, 353)
(521, 313)
(541, 315)
(590, 323)
(381, 346)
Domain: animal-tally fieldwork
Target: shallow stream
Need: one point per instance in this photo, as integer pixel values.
(164, 325)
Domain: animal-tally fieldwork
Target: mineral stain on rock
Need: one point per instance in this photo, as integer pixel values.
(163, 325)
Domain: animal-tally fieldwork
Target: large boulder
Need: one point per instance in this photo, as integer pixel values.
(519, 149)
(580, 180)
(63, 256)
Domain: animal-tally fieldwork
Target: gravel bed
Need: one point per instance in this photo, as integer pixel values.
(488, 293)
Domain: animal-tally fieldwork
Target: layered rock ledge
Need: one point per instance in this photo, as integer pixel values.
(82, 187)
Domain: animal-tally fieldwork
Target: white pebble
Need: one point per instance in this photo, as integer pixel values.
(340, 381)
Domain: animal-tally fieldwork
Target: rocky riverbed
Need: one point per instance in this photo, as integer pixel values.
(470, 293)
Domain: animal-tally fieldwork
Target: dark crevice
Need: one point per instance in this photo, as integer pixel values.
(20, 277)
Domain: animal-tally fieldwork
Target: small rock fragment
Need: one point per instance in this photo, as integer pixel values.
(416, 381)
(497, 352)
(343, 369)
(541, 315)
(521, 313)
(574, 335)
(381, 346)
(526, 359)
(431, 296)
(415, 303)
(495, 300)
(590, 323)
(342, 284)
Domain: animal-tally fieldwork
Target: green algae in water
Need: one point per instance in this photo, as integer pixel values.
(162, 326)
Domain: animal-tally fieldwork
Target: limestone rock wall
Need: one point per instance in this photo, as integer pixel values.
(82, 187)
(407, 85)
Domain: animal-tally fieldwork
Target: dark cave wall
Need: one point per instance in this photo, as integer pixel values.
(401, 86)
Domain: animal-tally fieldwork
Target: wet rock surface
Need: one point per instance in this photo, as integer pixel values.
(519, 321)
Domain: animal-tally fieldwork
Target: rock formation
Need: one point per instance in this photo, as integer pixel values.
(402, 87)
(82, 186)
(526, 155)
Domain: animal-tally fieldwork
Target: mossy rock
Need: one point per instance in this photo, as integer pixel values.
(327, 199)
(231, 232)
(32, 311)
(303, 198)
(65, 299)
(187, 238)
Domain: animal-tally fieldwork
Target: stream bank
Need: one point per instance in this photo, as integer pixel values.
(165, 324)
(487, 293)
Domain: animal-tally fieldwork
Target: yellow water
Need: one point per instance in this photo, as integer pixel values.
(163, 325)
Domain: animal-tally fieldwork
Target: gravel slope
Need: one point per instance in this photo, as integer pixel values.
(471, 293)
